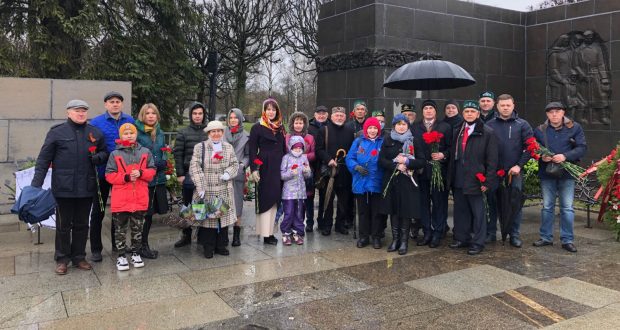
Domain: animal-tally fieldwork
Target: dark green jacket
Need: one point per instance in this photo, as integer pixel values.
(144, 139)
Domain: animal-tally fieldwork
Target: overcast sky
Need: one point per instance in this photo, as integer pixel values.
(520, 5)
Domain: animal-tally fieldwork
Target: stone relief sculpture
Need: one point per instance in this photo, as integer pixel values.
(370, 57)
(578, 75)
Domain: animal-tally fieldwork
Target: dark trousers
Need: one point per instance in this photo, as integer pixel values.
(310, 210)
(72, 228)
(370, 221)
(96, 218)
(212, 239)
(344, 209)
(293, 221)
(188, 192)
(433, 210)
(470, 225)
(321, 212)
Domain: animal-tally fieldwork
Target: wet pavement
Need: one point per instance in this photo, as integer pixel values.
(327, 283)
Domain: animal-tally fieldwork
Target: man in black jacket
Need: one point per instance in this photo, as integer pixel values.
(331, 140)
(320, 119)
(184, 144)
(73, 149)
(359, 117)
(472, 173)
(511, 132)
(486, 103)
(433, 216)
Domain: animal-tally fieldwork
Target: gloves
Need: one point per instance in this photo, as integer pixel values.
(201, 194)
(255, 176)
(225, 176)
(361, 170)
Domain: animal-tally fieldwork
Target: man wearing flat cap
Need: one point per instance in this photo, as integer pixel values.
(73, 149)
(566, 140)
(472, 173)
(109, 123)
(409, 111)
(486, 103)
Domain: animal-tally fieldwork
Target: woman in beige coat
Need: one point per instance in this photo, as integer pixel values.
(212, 167)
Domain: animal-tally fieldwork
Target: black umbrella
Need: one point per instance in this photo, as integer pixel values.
(425, 75)
(509, 201)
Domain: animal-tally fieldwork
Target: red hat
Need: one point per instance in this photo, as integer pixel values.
(371, 121)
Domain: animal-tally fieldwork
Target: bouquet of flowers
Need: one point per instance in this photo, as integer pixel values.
(536, 151)
(258, 163)
(482, 179)
(409, 152)
(171, 174)
(211, 209)
(433, 138)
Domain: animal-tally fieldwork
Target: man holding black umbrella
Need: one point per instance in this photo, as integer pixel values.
(511, 132)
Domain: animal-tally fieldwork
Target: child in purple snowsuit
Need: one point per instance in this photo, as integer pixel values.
(294, 170)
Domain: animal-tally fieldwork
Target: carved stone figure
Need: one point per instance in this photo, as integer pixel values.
(559, 66)
(594, 76)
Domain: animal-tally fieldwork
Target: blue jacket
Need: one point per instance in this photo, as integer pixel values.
(511, 135)
(568, 140)
(361, 153)
(109, 127)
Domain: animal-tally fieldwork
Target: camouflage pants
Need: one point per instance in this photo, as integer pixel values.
(133, 220)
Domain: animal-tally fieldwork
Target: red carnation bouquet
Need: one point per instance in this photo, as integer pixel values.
(172, 183)
(258, 164)
(433, 139)
(537, 151)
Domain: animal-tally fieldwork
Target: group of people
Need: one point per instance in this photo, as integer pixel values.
(367, 169)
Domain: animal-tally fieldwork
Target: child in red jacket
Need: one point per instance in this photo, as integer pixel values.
(129, 170)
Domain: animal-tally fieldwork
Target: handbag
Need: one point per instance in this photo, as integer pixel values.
(553, 170)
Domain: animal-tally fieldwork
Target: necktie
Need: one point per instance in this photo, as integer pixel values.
(465, 137)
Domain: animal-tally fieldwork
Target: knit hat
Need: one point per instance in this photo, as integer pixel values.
(125, 127)
(488, 94)
(295, 140)
(215, 124)
(77, 104)
(112, 94)
(339, 109)
(406, 108)
(471, 104)
(554, 105)
(372, 121)
(399, 117)
(451, 101)
(429, 102)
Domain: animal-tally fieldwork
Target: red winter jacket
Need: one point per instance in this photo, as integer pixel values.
(130, 196)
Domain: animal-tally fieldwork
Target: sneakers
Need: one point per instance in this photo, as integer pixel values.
(136, 261)
(121, 263)
(286, 240)
(299, 240)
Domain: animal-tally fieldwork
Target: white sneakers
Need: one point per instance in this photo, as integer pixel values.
(136, 261)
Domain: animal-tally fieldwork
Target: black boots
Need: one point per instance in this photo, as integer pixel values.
(186, 238)
(236, 236)
(146, 251)
(395, 240)
(212, 241)
(404, 241)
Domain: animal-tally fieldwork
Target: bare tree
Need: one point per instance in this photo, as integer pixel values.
(302, 25)
(247, 32)
(551, 3)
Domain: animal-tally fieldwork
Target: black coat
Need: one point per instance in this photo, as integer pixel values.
(480, 156)
(418, 129)
(402, 197)
(184, 144)
(454, 121)
(338, 137)
(269, 147)
(313, 129)
(66, 150)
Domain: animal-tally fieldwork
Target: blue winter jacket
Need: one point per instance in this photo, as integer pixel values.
(109, 127)
(361, 153)
(568, 140)
(511, 135)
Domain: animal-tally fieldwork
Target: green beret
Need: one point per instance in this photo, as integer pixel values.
(471, 104)
(488, 94)
(378, 113)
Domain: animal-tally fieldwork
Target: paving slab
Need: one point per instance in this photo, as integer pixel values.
(285, 292)
(581, 292)
(44, 283)
(256, 272)
(124, 293)
(193, 257)
(535, 266)
(173, 313)
(471, 283)
(348, 256)
(164, 265)
(7, 266)
(283, 318)
(368, 308)
(607, 317)
(26, 311)
(600, 275)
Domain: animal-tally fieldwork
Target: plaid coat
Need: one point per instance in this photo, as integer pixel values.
(206, 177)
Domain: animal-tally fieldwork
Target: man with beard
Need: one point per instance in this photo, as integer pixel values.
(333, 138)
(472, 173)
(409, 111)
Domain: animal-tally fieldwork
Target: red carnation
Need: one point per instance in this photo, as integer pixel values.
(481, 177)
(536, 156)
(501, 173)
(218, 156)
(258, 162)
(294, 166)
(92, 149)
(411, 150)
(374, 152)
(530, 140)
(166, 149)
(234, 129)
